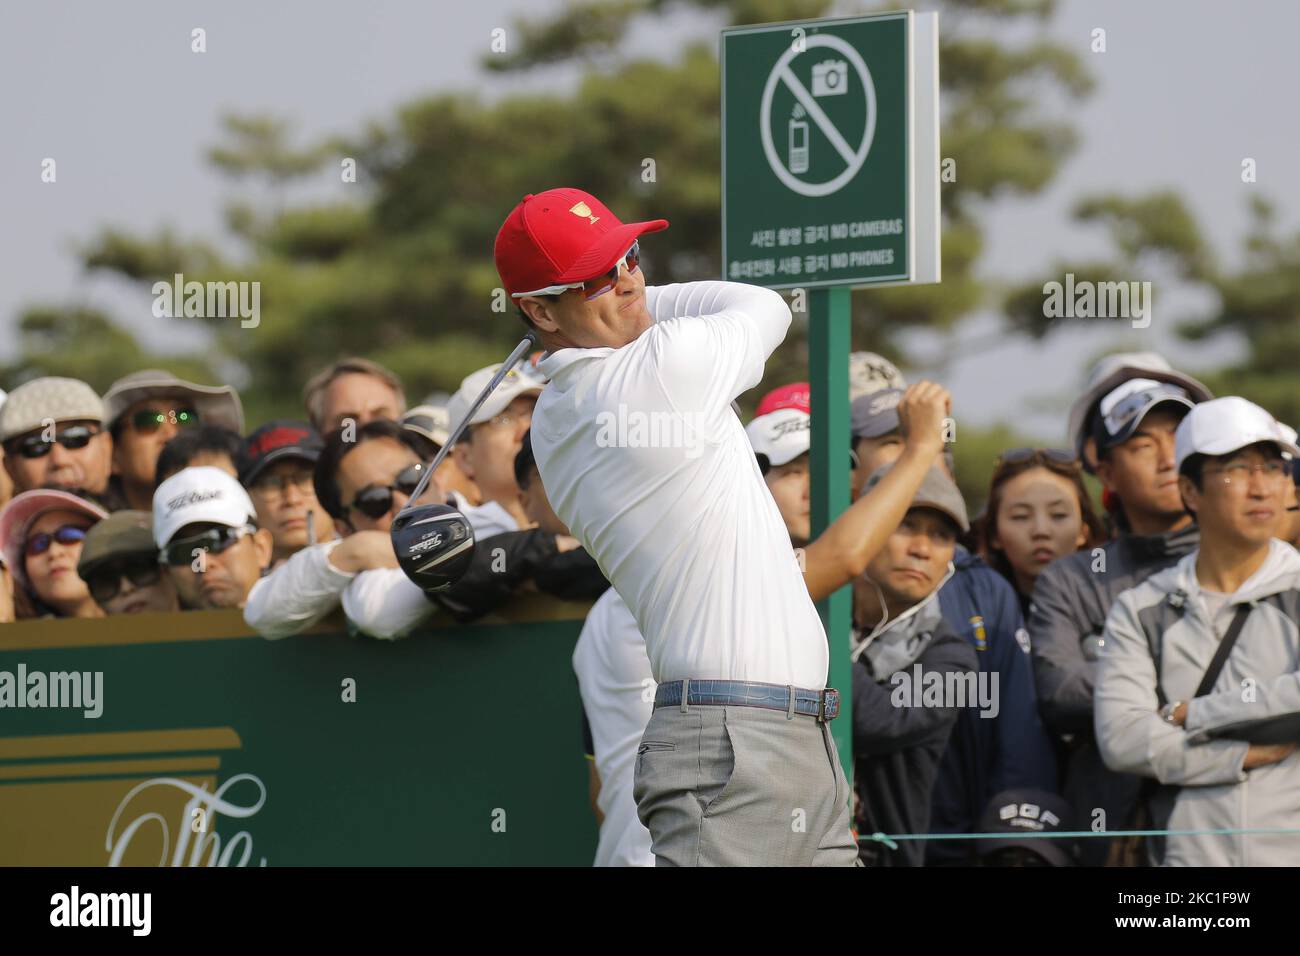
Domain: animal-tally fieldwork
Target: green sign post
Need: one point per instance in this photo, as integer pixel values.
(830, 163)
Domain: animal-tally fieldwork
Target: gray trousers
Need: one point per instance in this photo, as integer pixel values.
(742, 786)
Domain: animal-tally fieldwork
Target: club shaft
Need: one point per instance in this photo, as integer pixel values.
(528, 342)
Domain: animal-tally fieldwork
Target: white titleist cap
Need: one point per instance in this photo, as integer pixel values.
(200, 495)
(780, 437)
(1223, 425)
(517, 382)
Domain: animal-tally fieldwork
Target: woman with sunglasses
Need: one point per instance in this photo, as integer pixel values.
(1038, 510)
(41, 534)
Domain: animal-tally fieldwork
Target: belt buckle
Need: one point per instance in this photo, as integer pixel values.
(828, 705)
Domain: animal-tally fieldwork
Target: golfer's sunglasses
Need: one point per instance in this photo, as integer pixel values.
(149, 420)
(71, 438)
(375, 501)
(598, 286)
(66, 535)
(105, 583)
(214, 540)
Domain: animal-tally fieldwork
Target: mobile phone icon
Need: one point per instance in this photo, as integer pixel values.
(798, 146)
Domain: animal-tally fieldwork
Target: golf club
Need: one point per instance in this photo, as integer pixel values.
(434, 543)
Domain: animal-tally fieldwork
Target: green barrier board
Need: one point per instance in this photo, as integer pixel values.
(462, 746)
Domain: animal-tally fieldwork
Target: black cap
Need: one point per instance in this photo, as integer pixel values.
(1016, 812)
(276, 441)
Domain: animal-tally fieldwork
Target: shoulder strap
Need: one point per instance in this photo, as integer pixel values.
(1225, 648)
(1171, 606)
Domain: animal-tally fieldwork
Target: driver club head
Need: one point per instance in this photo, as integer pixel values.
(434, 545)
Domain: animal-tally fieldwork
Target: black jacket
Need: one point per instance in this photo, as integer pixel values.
(897, 749)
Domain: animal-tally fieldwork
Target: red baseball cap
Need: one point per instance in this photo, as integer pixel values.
(562, 236)
(797, 396)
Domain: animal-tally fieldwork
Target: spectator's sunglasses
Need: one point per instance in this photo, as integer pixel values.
(71, 438)
(149, 420)
(598, 286)
(66, 535)
(1054, 456)
(375, 501)
(214, 540)
(105, 583)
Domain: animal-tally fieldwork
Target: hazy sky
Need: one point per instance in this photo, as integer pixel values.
(112, 92)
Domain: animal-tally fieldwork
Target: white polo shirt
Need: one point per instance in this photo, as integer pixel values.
(644, 459)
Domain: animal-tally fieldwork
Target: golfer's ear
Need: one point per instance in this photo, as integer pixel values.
(540, 312)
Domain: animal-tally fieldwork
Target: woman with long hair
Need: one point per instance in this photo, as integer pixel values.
(1038, 510)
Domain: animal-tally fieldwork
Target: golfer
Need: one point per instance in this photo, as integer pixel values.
(644, 459)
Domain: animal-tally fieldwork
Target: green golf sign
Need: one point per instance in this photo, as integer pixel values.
(829, 156)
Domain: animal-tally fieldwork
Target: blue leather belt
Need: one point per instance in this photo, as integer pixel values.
(822, 704)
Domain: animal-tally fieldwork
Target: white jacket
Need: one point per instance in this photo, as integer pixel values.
(1259, 680)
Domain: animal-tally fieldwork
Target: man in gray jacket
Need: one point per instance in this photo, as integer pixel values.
(1197, 686)
(1122, 427)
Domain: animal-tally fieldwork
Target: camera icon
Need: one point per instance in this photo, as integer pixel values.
(830, 78)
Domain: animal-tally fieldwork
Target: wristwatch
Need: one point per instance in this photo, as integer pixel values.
(1168, 711)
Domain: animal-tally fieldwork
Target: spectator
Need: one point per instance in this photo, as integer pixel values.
(206, 529)
(353, 389)
(53, 434)
(1038, 511)
(41, 534)
(1290, 524)
(870, 373)
(361, 481)
(207, 446)
(983, 755)
(1197, 686)
(276, 465)
(1016, 812)
(901, 642)
(780, 435)
(1122, 426)
(6, 483)
(119, 563)
(7, 614)
(617, 689)
(875, 435)
(986, 754)
(145, 410)
(486, 451)
(433, 423)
